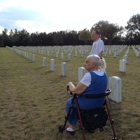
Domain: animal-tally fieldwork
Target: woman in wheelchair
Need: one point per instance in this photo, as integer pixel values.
(94, 81)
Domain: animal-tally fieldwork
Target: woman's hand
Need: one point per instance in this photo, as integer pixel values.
(80, 88)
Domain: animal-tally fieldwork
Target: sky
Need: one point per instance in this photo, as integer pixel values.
(61, 15)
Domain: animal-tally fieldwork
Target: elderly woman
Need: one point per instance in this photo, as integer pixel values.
(94, 82)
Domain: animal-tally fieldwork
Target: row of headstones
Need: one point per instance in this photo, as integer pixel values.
(52, 66)
(55, 52)
(20, 52)
(123, 62)
(65, 49)
(116, 50)
(137, 47)
(32, 57)
(135, 51)
(27, 55)
(113, 48)
(82, 50)
(114, 85)
(79, 49)
(114, 82)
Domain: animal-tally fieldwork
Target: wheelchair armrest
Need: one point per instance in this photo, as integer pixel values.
(98, 95)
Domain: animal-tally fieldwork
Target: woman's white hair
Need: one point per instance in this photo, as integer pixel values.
(101, 63)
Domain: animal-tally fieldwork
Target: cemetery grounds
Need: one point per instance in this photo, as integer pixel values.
(33, 98)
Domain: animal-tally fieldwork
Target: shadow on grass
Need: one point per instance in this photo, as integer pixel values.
(122, 74)
(39, 68)
(48, 72)
(57, 79)
(116, 114)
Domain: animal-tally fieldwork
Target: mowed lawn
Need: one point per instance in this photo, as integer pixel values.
(33, 98)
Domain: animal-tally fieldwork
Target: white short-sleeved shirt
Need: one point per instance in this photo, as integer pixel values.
(86, 80)
(97, 47)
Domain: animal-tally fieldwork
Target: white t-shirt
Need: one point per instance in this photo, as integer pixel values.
(97, 47)
(86, 80)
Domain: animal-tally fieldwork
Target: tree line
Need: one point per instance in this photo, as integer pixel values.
(111, 34)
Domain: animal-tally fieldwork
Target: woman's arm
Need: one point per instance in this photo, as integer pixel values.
(80, 88)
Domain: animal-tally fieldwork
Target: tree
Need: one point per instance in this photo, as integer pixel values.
(85, 35)
(133, 29)
(133, 25)
(24, 38)
(57, 38)
(4, 38)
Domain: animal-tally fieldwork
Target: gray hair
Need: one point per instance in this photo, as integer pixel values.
(101, 63)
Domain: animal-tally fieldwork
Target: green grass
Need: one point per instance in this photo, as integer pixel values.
(32, 98)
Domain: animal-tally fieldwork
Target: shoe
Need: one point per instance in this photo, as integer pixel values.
(70, 130)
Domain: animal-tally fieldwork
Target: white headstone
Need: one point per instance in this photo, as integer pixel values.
(30, 56)
(52, 64)
(44, 61)
(56, 54)
(41, 51)
(125, 58)
(48, 53)
(122, 66)
(52, 53)
(81, 73)
(105, 54)
(69, 57)
(62, 55)
(115, 54)
(115, 87)
(34, 59)
(82, 54)
(75, 53)
(137, 54)
(27, 55)
(63, 67)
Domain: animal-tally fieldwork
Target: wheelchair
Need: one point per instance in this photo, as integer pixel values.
(82, 124)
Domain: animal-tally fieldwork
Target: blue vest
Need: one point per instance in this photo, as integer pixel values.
(98, 85)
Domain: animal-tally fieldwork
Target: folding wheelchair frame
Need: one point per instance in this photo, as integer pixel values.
(62, 127)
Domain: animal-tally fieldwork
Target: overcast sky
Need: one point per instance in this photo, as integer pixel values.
(60, 15)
